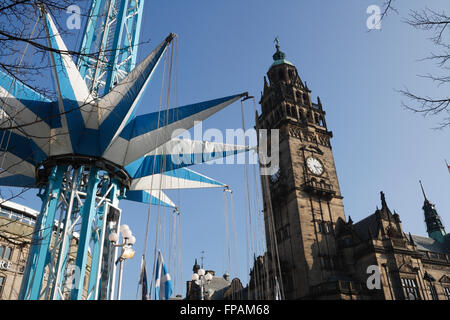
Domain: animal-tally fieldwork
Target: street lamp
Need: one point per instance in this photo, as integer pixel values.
(127, 252)
(200, 279)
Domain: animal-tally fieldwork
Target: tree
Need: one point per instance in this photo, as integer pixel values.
(23, 41)
(23, 49)
(437, 22)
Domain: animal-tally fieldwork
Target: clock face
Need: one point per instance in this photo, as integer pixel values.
(314, 165)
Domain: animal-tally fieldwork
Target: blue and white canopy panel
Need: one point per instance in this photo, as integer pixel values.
(35, 128)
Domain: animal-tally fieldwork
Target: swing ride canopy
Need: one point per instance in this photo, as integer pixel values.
(80, 127)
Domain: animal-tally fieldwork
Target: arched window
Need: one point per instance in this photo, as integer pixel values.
(291, 74)
(317, 119)
(305, 99)
(301, 116)
(288, 111)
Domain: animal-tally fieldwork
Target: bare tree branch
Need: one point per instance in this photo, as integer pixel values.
(437, 22)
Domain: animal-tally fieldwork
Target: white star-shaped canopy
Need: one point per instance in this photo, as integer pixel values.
(78, 124)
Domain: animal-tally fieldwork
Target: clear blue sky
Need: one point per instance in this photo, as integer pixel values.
(226, 47)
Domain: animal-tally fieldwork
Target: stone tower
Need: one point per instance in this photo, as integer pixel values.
(435, 228)
(302, 201)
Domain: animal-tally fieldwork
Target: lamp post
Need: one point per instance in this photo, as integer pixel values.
(127, 252)
(200, 278)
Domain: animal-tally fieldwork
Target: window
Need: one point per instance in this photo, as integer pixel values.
(283, 233)
(305, 99)
(291, 74)
(8, 252)
(301, 116)
(324, 227)
(2, 284)
(289, 111)
(316, 116)
(410, 290)
(433, 292)
(327, 265)
(2, 251)
(321, 123)
(447, 292)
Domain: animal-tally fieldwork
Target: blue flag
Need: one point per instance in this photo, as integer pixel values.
(163, 282)
(143, 280)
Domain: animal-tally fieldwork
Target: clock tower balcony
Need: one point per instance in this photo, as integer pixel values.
(321, 189)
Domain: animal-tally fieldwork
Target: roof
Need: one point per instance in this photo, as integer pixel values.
(369, 223)
(281, 61)
(431, 245)
(18, 207)
(217, 285)
(29, 212)
(372, 222)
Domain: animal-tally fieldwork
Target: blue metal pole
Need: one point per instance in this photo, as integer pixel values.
(98, 236)
(88, 213)
(90, 36)
(67, 236)
(41, 240)
(118, 34)
(106, 286)
(124, 59)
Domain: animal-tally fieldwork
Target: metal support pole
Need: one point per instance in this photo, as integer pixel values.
(97, 252)
(119, 288)
(106, 286)
(40, 245)
(202, 288)
(88, 213)
(64, 248)
(114, 255)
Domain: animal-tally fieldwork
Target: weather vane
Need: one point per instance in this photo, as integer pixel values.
(277, 41)
(202, 257)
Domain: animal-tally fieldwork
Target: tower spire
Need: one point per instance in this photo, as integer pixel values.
(279, 55)
(435, 227)
(423, 191)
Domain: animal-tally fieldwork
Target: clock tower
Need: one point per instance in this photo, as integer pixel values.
(302, 199)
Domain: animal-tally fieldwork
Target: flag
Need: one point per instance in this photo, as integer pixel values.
(448, 167)
(143, 280)
(163, 283)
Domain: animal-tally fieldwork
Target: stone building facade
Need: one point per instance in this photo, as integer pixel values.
(16, 230)
(218, 288)
(313, 252)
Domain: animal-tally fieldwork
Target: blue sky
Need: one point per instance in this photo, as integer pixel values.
(226, 47)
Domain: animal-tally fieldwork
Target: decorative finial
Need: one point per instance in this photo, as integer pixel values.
(277, 43)
(278, 55)
(383, 200)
